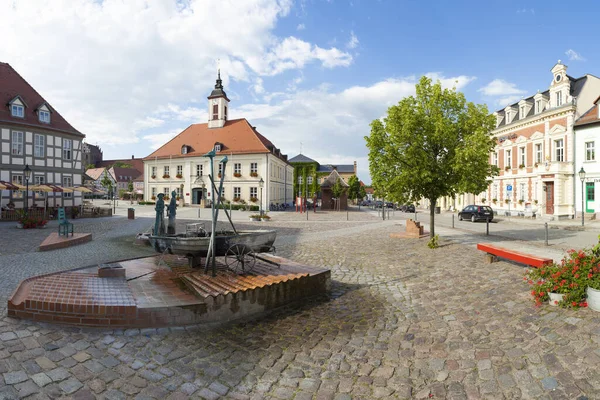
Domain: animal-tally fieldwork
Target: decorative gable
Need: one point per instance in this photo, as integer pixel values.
(537, 135)
(509, 112)
(521, 139)
(557, 129)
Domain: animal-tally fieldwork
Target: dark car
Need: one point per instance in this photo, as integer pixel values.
(409, 208)
(378, 204)
(389, 204)
(365, 203)
(476, 213)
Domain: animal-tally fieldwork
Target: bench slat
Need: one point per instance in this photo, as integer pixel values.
(517, 256)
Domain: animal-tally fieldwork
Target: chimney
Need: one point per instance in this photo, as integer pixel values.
(354, 167)
(132, 157)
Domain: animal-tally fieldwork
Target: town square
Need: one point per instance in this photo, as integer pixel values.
(298, 199)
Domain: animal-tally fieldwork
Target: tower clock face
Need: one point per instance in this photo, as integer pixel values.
(557, 77)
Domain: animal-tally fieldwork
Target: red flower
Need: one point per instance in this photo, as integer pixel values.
(574, 304)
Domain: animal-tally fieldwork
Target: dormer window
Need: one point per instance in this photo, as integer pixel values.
(538, 106)
(507, 118)
(558, 99)
(522, 112)
(184, 149)
(44, 116)
(217, 148)
(17, 110)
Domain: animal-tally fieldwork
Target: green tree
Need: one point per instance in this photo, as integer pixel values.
(90, 166)
(362, 193)
(336, 191)
(130, 186)
(106, 182)
(121, 164)
(431, 145)
(354, 187)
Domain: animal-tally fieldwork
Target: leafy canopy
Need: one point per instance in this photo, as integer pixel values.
(431, 145)
(354, 187)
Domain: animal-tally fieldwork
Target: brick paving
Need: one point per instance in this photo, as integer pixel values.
(402, 321)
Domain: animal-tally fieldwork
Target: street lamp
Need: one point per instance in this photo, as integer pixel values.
(27, 172)
(260, 185)
(582, 177)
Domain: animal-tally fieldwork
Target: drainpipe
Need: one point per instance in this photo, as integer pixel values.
(574, 173)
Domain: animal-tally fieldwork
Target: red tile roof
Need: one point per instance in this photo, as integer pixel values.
(236, 137)
(13, 85)
(136, 163)
(123, 174)
(590, 117)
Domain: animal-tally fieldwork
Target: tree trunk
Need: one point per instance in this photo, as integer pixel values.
(432, 203)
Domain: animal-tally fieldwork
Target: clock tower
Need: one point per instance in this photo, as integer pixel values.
(217, 105)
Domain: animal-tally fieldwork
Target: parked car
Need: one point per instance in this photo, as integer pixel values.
(476, 213)
(409, 208)
(389, 204)
(379, 204)
(365, 203)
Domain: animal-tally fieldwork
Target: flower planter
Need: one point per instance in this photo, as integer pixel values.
(255, 219)
(593, 299)
(555, 298)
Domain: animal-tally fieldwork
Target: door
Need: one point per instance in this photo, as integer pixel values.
(549, 197)
(589, 197)
(196, 196)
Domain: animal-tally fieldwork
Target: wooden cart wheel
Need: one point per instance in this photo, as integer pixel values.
(240, 258)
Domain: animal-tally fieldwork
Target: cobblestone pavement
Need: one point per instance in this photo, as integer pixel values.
(402, 321)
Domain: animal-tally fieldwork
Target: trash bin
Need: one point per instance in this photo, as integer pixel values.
(438, 210)
(131, 213)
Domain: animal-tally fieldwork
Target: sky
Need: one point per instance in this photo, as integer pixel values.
(309, 74)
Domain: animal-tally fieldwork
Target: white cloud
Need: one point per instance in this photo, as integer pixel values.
(300, 27)
(574, 56)
(106, 66)
(525, 11)
(258, 86)
(500, 87)
(353, 42)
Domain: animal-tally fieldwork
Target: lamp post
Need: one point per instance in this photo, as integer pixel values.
(582, 177)
(260, 185)
(27, 172)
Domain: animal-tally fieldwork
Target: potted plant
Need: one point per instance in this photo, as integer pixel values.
(253, 199)
(219, 175)
(507, 201)
(153, 197)
(236, 199)
(166, 176)
(535, 202)
(506, 168)
(178, 198)
(494, 201)
(178, 176)
(255, 217)
(521, 202)
(536, 165)
(254, 174)
(153, 177)
(237, 174)
(521, 166)
(265, 217)
(166, 198)
(483, 200)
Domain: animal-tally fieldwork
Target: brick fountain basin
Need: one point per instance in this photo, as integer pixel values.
(163, 291)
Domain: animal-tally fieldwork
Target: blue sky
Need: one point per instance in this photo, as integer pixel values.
(132, 74)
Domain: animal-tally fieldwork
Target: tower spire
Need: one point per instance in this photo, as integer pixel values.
(219, 84)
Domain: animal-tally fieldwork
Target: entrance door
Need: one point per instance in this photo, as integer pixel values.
(589, 197)
(549, 197)
(196, 196)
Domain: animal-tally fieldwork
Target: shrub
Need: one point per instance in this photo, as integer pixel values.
(265, 216)
(255, 216)
(30, 222)
(434, 242)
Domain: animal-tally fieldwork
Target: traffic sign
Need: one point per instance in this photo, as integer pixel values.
(509, 188)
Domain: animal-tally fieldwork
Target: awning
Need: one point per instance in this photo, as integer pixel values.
(50, 188)
(11, 186)
(81, 189)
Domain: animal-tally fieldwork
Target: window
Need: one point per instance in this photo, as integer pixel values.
(39, 145)
(178, 192)
(199, 170)
(17, 144)
(509, 158)
(166, 171)
(226, 113)
(538, 106)
(507, 117)
(559, 150)
(253, 193)
(590, 152)
(495, 191)
(522, 112)
(495, 159)
(558, 99)
(220, 169)
(309, 179)
(180, 170)
(166, 191)
(17, 179)
(44, 116)
(522, 191)
(589, 190)
(217, 147)
(184, 149)
(237, 192)
(17, 111)
(535, 191)
(237, 168)
(153, 171)
(153, 192)
(538, 153)
(254, 168)
(215, 111)
(39, 180)
(67, 182)
(299, 180)
(67, 149)
(521, 156)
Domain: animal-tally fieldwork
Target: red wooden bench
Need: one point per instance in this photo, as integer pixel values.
(493, 252)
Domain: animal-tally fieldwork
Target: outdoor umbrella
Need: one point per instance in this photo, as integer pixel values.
(47, 188)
